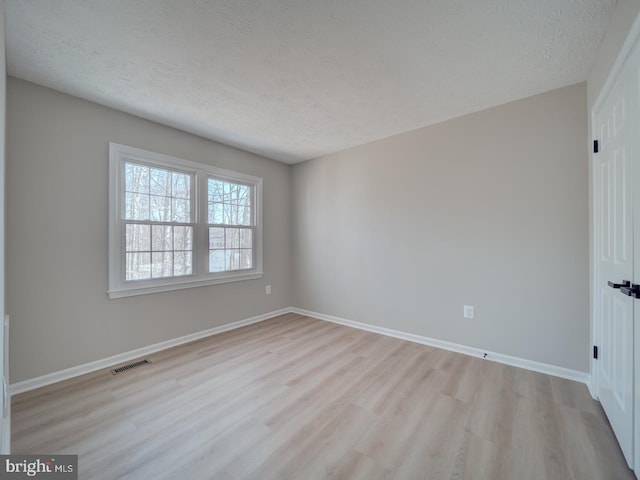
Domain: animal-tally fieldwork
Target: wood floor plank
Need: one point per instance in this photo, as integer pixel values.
(298, 398)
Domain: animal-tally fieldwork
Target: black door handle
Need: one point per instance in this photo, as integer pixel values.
(625, 283)
(631, 291)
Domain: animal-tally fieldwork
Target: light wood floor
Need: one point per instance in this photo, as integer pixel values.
(298, 398)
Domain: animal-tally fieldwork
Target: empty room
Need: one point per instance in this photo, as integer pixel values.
(305, 239)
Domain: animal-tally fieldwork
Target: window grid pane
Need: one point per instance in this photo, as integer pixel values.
(157, 194)
(153, 194)
(158, 251)
(230, 249)
(229, 203)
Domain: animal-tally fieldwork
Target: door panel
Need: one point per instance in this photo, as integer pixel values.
(621, 211)
(613, 216)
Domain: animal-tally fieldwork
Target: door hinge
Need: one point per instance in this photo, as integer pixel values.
(595, 352)
(595, 146)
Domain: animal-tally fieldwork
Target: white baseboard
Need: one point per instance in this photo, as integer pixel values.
(33, 383)
(592, 388)
(556, 371)
(6, 433)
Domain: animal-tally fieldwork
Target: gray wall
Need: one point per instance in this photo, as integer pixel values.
(57, 166)
(490, 209)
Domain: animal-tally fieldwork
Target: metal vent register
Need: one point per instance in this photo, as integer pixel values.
(129, 366)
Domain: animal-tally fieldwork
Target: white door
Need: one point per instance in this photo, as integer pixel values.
(634, 68)
(636, 336)
(615, 126)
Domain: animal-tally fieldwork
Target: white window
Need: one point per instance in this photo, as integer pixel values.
(178, 224)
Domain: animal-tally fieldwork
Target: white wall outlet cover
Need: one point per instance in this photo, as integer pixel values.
(468, 311)
(267, 290)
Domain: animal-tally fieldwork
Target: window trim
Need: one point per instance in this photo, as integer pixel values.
(118, 287)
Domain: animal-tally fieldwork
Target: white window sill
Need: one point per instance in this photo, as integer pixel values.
(131, 291)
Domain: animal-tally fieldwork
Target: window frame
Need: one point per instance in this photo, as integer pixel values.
(118, 286)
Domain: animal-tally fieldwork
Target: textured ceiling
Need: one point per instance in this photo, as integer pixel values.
(297, 79)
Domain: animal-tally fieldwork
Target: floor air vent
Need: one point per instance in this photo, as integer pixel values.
(129, 366)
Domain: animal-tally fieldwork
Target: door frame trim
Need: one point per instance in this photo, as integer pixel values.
(633, 39)
(623, 54)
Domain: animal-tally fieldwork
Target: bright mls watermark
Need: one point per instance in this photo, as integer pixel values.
(49, 467)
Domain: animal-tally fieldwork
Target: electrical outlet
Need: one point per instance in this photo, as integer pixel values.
(267, 289)
(469, 311)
